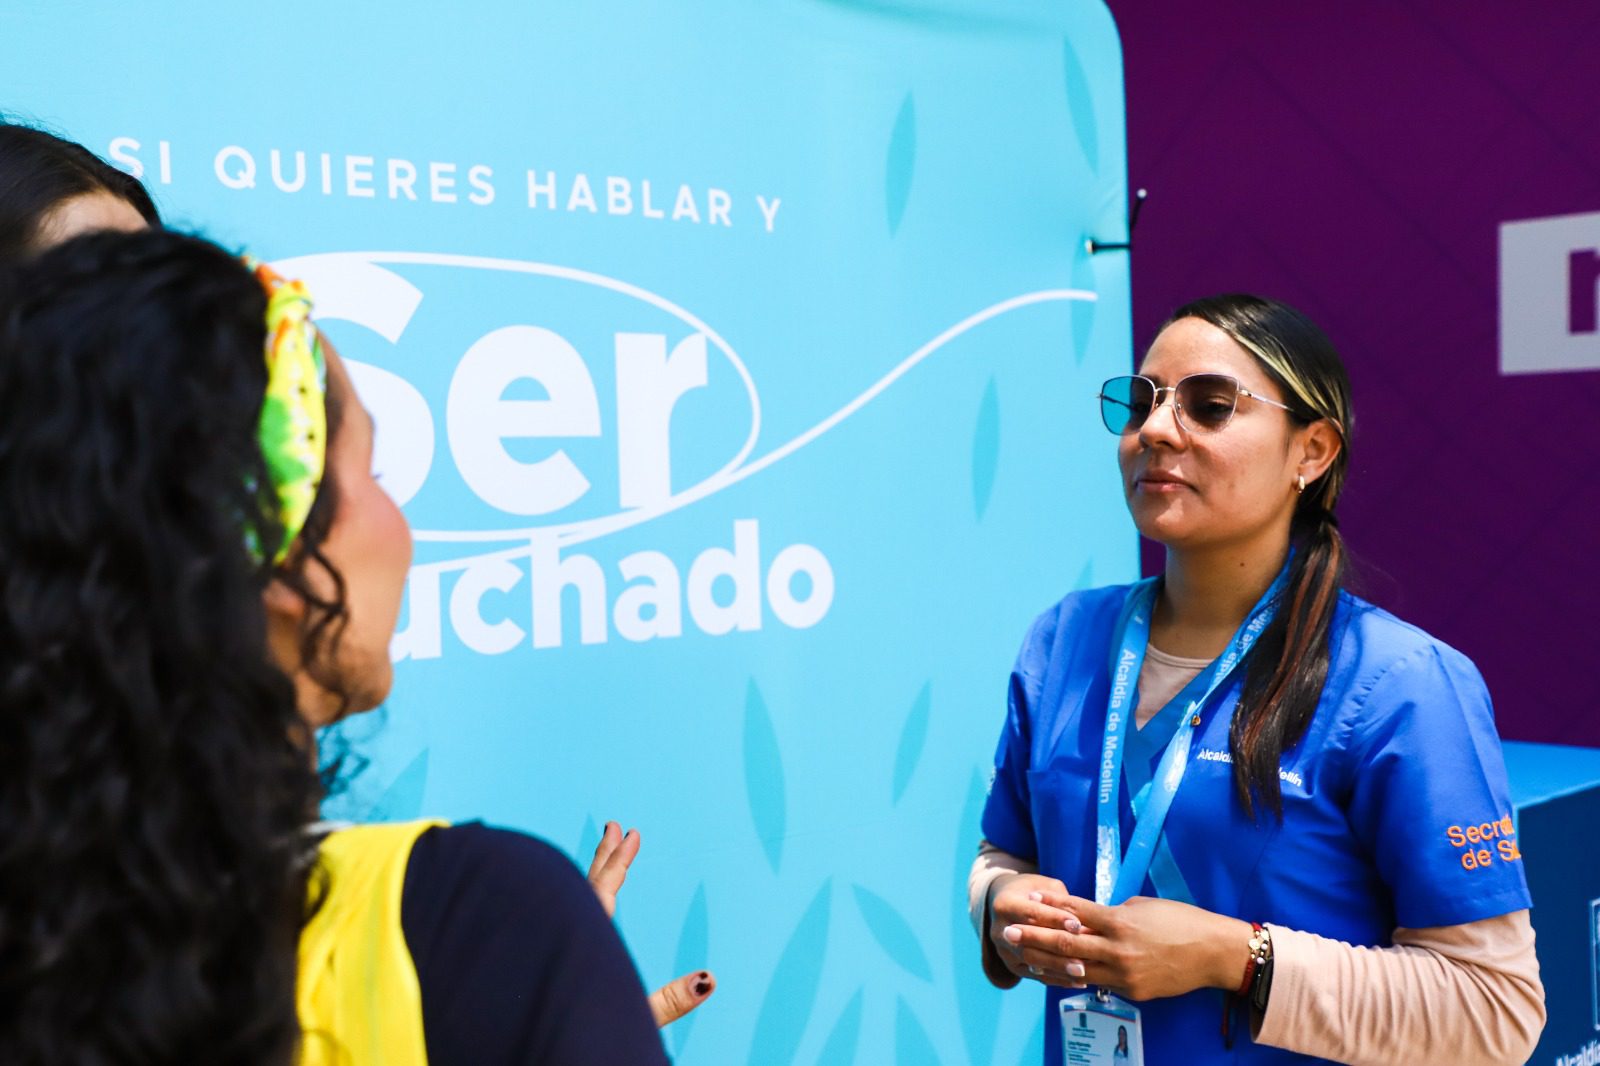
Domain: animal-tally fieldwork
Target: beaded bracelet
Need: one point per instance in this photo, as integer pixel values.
(1256, 984)
(1260, 952)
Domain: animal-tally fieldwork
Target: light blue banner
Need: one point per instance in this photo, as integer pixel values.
(735, 366)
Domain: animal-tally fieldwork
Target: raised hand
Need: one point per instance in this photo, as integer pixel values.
(607, 872)
(612, 857)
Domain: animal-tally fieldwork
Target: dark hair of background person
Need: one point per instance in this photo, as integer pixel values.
(40, 171)
(155, 775)
(1289, 664)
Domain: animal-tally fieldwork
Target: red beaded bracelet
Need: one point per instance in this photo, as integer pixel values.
(1258, 957)
(1260, 951)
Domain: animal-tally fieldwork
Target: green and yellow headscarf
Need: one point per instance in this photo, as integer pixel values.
(294, 414)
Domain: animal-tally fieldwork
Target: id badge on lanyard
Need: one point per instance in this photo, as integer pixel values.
(1098, 1029)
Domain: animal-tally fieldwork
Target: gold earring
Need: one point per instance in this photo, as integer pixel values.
(1300, 484)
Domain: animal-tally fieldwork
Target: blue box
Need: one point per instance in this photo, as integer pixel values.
(1556, 794)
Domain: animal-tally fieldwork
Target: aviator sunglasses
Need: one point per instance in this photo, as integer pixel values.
(1201, 402)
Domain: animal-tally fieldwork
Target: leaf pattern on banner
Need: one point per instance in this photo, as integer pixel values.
(763, 776)
(977, 1001)
(911, 1044)
(986, 448)
(1033, 1054)
(402, 800)
(1081, 104)
(840, 1049)
(694, 949)
(893, 933)
(588, 840)
(1082, 310)
(901, 164)
(787, 1005)
(913, 737)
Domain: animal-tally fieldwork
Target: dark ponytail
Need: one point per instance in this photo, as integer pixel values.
(1289, 664)
(1287, 669)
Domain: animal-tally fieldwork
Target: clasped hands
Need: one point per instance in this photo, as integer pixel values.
(1142, 949)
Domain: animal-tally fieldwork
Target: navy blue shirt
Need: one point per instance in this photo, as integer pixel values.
(1396, 809)
(517, 961)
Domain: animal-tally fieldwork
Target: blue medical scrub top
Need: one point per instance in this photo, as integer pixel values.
(1396, 810)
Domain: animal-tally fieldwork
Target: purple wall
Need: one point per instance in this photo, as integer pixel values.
(1356, 160)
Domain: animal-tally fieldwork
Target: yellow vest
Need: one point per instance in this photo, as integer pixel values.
(357, 994)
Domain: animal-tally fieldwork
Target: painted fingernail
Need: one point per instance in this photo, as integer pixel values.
(702, 985)
(1037, 897)
(1012, 934)
(1078, 984)
(1072, 925)
(1075, 969)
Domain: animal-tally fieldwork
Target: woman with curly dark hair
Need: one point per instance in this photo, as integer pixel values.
(52, 189)
(196, 568)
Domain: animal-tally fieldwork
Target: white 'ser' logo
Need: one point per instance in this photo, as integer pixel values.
(479, 421)
(485, 426)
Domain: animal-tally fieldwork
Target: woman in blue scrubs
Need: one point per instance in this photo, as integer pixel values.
(1238, 772)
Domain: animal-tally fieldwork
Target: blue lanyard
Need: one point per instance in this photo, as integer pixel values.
(1117, 877)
